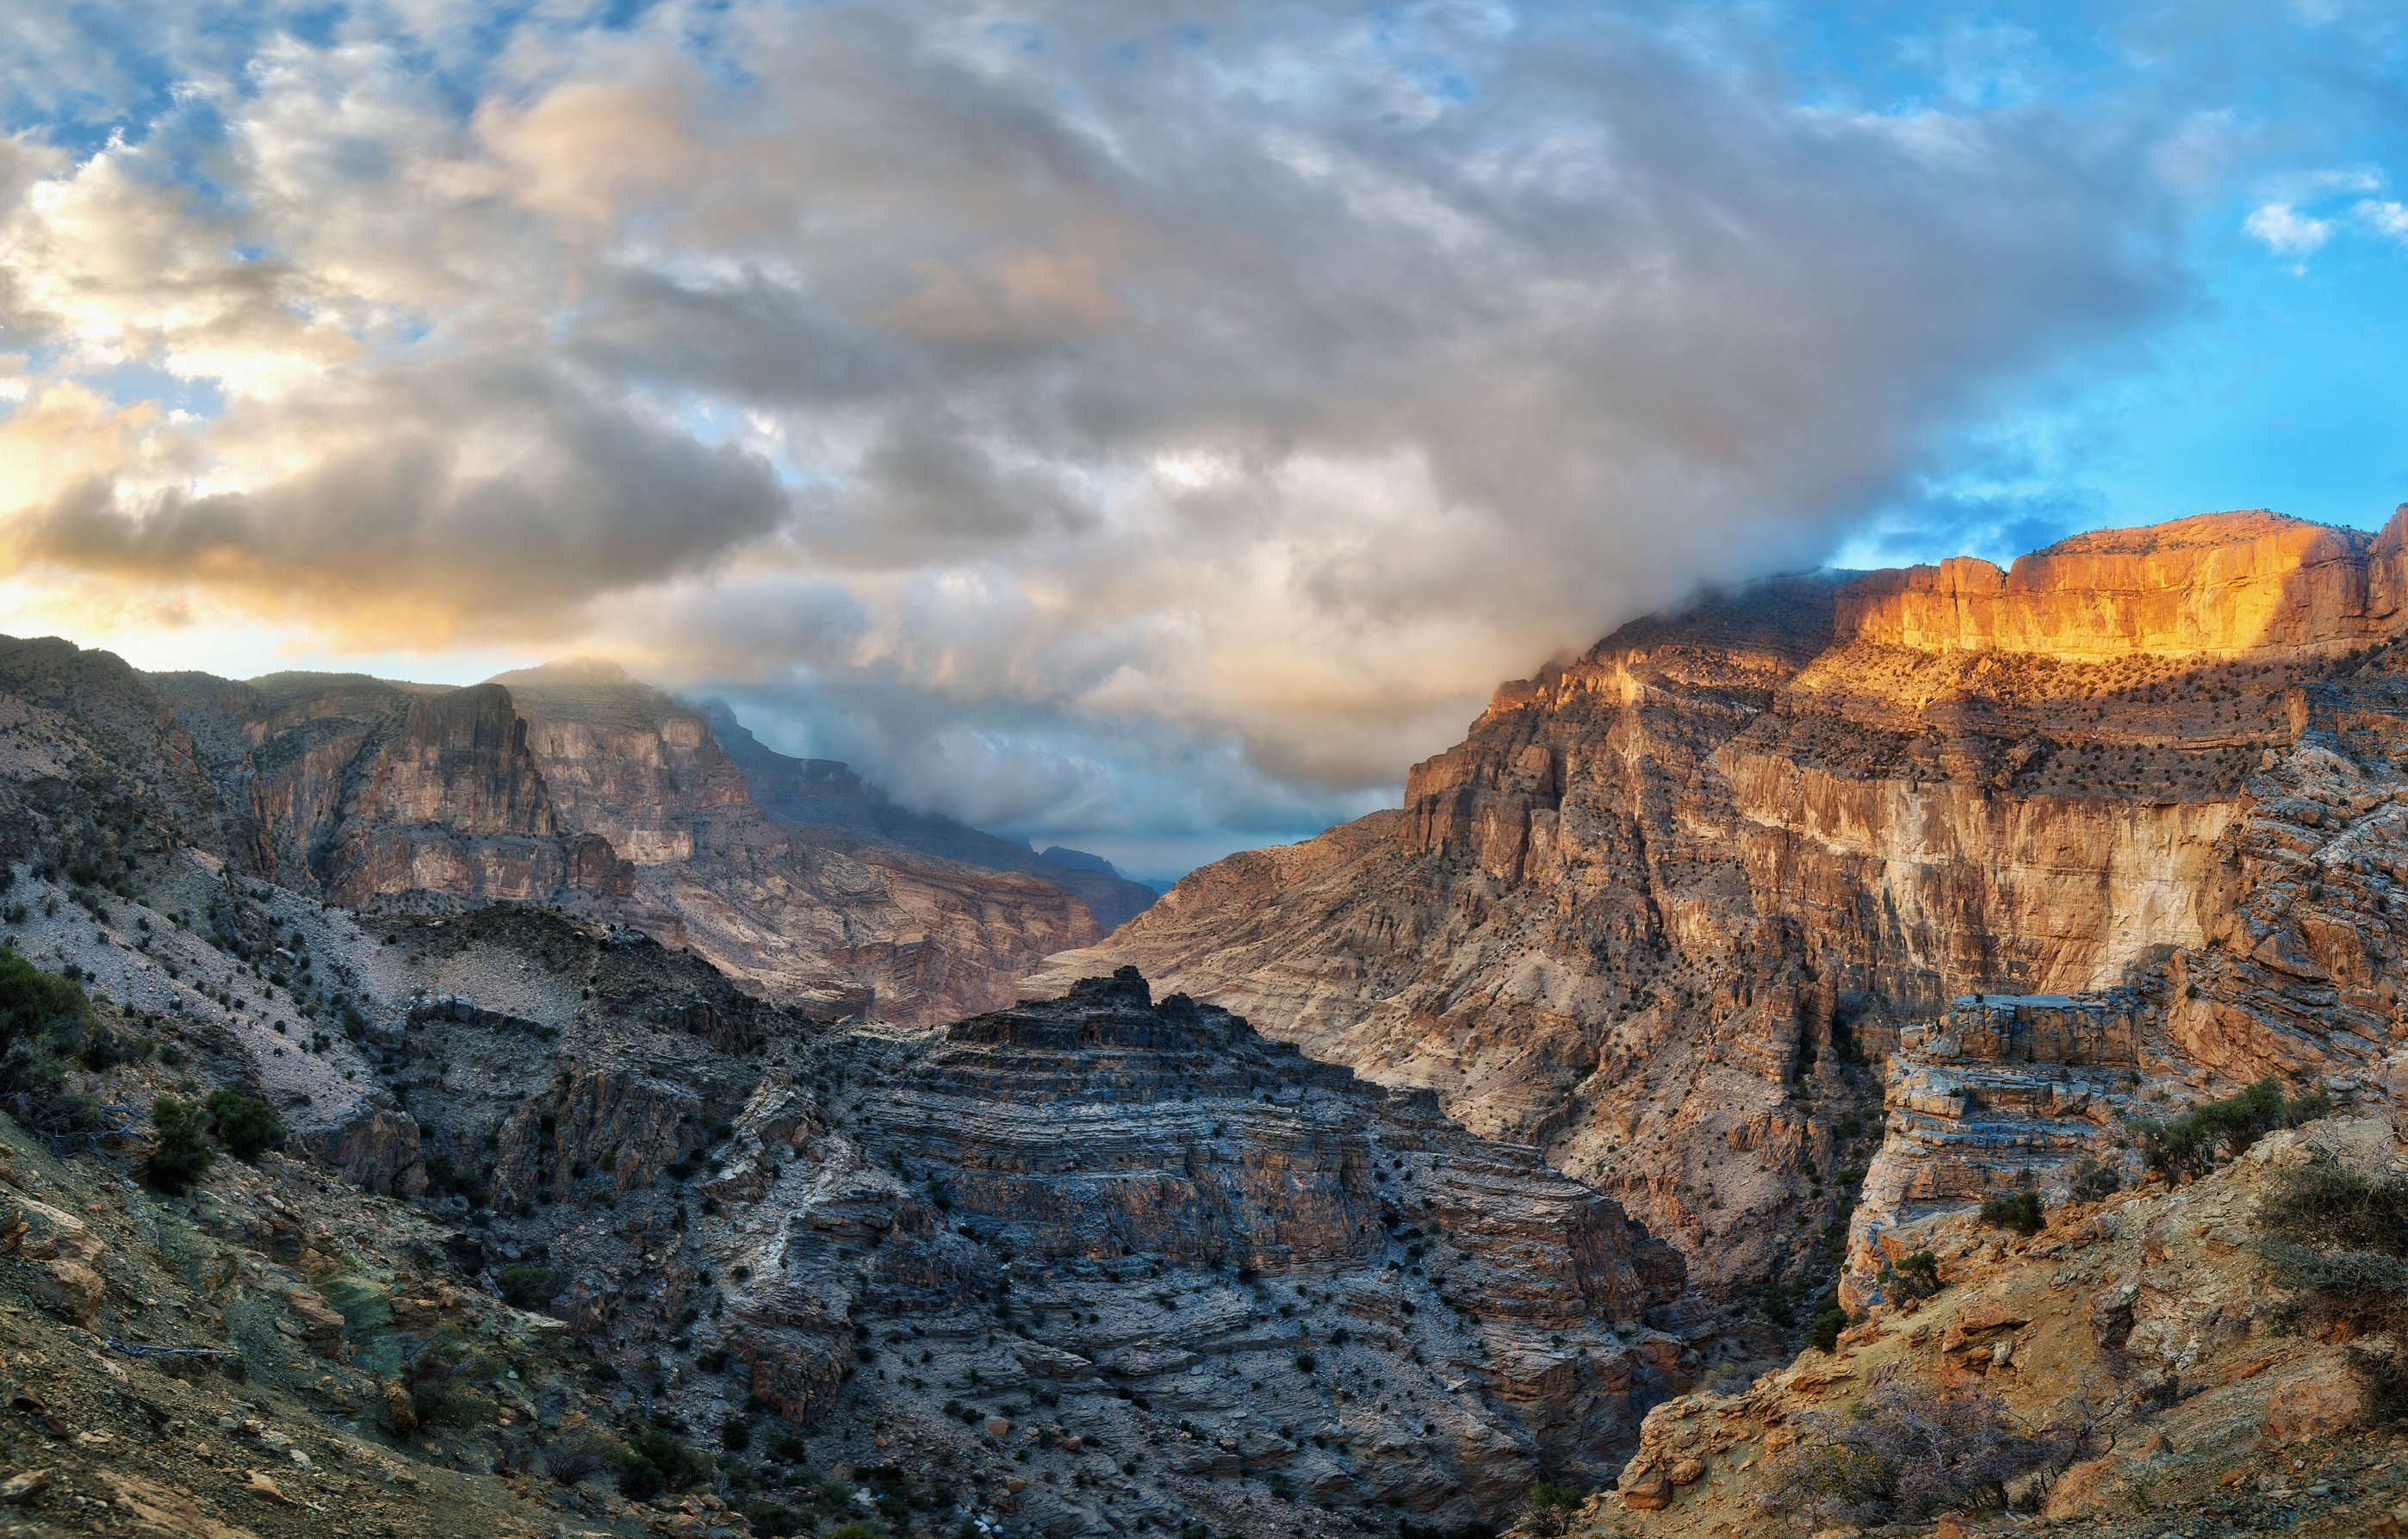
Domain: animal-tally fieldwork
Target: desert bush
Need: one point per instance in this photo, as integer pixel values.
(2092, 1181)
(245, 1124)
(2339, 1240)
(43, 1018)
(2322, 1203)
(1547, 1510)
(1905, 1455)
(183, 1154)
(2018, 1210)
(656, 1461)
(1915, 1277)
(1822, 1333)
(571, 1459)
(1773, 1300)
(2182, 1147)
(774, 1520)
(526, 1287)
(440, 1376)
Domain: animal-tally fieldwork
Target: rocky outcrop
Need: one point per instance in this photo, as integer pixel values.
(1668, 907)
(2221, 584)
(1324, 1283)
(2143, 1338)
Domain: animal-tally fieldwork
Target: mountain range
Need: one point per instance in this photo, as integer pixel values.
(1848, 989)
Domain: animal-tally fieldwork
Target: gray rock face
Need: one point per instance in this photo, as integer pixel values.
(1114, 1216)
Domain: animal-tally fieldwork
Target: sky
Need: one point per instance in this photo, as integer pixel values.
(1148, 428)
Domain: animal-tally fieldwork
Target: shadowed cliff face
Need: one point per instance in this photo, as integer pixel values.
(1660, 905)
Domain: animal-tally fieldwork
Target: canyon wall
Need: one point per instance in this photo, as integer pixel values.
(1668, 907)
(578, 787)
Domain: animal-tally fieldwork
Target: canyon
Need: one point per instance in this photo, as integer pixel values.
(575, 785)
(1705, 912)
(682, 1138)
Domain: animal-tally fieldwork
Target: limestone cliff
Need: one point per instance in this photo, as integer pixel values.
(1669, 906)
(578, 787)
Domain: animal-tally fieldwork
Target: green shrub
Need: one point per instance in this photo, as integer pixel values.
(2092, 1181)
(1548, 1510)
(2018, 1211)
(774, 1520)
(526, 1287)
(1917, 1277)
(183, 1154)
(2182, 1147)
(1774, 1300)
(735, 1435)
(43, 1017)
(1823, 1334)
(655, 1460)
(441, 1376)
(245, 1124)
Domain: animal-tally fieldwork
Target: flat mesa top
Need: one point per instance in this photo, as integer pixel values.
(2200, 529)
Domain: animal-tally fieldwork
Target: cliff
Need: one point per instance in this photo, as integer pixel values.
(2220, 584)
(573, 786)
(1668, 907)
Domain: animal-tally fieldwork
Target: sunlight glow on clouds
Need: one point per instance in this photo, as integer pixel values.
(1100, 418)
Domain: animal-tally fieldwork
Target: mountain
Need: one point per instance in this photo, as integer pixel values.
(623, 1245)
(1866, 1048)
(576, 786)
(1920, 879)
(826, 794)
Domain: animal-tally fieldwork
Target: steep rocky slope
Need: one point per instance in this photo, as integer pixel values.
(2157, 1368)
(1668, 907)
(1093, 1265)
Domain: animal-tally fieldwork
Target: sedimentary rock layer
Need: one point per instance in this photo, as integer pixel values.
(1663, 904)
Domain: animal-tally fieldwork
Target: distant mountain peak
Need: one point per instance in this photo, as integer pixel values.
(568, 670)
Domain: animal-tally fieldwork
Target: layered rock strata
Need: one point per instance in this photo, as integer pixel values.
(1165, 1219)
(572, 786)
(1668, 905)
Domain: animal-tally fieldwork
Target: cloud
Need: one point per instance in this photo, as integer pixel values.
(2287, 231)
(2385, 218)
(1095, 400)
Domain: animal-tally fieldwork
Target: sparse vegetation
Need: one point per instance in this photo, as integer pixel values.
(2019, 1211)
(246, 1125)
(1548, 1509)
(183, 1154)
(1905, 1455)
(2341, 1239)
(2181, 1149)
